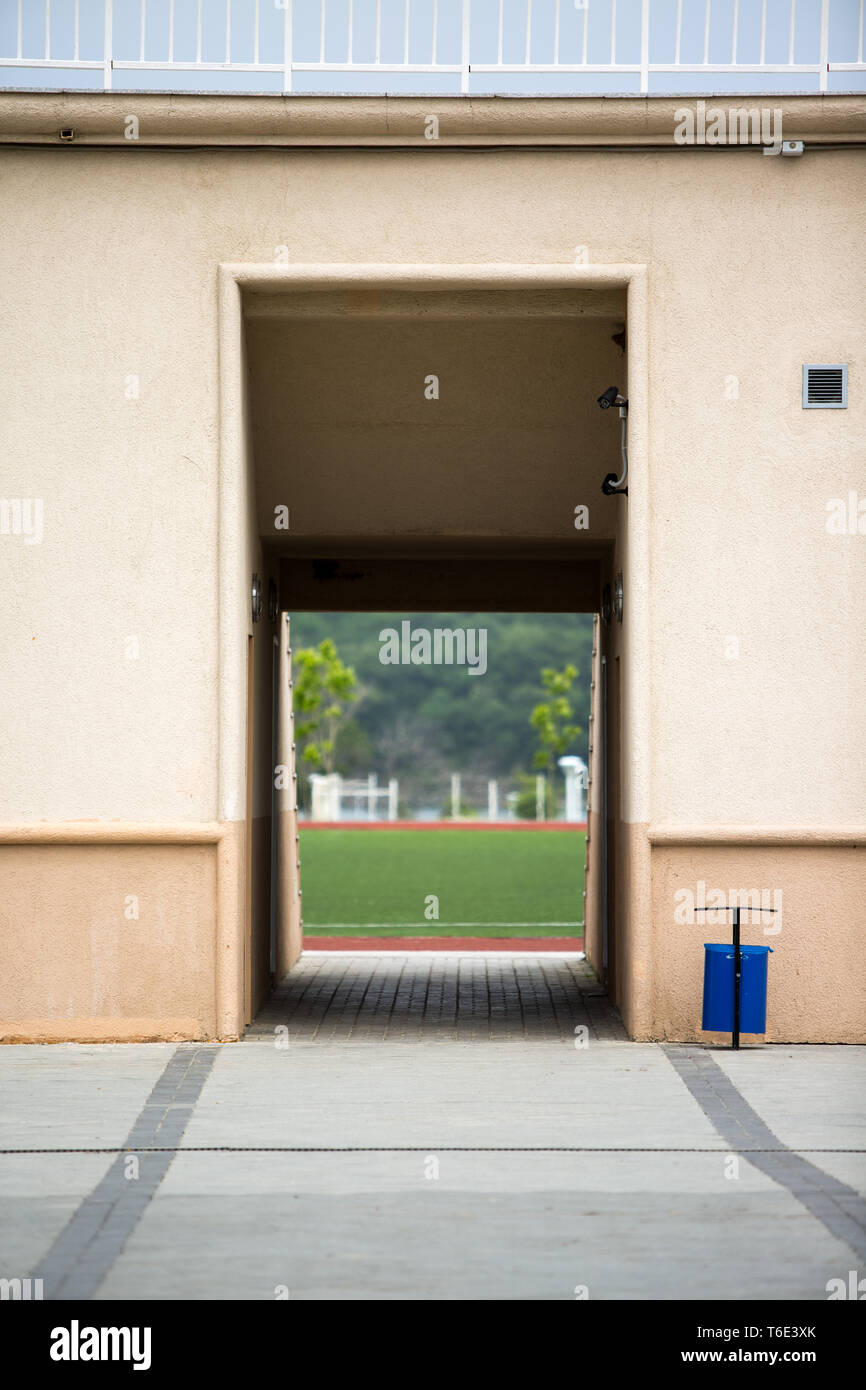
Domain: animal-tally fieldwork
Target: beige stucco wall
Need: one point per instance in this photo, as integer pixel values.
(816, 983)
(110, 271)
(107, 941)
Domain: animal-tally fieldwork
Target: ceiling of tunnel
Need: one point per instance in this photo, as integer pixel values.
(472, 417)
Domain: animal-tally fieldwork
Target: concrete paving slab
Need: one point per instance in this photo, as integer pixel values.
(472, 1245)
(847, 1168)
(810, 1096)
(609, 1094)
(74, 1095)
(39, 1193)
(229, 1174)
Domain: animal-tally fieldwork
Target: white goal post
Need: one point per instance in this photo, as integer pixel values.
(331, 792)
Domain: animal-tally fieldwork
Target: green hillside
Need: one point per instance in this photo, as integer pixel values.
(421, 723)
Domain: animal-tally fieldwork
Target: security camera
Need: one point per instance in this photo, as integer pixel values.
(612, 483)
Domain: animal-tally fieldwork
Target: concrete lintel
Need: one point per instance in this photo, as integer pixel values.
(594, 303)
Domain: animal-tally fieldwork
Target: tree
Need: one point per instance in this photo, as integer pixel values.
(323, 689)
(551, 723)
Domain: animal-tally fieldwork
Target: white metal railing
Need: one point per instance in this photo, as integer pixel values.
(458, 40)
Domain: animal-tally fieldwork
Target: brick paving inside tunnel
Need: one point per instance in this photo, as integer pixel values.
(326, 998)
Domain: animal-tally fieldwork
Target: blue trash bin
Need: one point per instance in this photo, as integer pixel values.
(718, 1016)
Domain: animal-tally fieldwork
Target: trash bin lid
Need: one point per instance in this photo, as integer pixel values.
(744, 950)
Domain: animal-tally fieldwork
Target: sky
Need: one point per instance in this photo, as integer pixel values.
(575, 16)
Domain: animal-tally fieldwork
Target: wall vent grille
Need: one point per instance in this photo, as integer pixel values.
(825, 386)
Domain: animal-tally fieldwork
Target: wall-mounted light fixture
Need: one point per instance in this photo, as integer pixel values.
(273, 601)
(612, 484)
(256, 598)
(617, 597)
(606, 605)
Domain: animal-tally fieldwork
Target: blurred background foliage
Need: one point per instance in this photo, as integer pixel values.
(421, 723)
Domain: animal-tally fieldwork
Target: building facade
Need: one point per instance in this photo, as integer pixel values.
(219, 340)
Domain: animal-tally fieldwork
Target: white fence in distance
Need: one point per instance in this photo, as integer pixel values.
(331, 793)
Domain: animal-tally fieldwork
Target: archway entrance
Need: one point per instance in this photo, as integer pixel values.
(370, 483)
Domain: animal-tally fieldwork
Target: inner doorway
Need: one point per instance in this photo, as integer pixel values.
(481, 996)
(434, 814)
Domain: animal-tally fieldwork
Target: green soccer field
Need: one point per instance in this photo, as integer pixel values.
(488, 882)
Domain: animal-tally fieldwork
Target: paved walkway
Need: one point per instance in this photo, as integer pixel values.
(414, 1130)
(328, 997)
